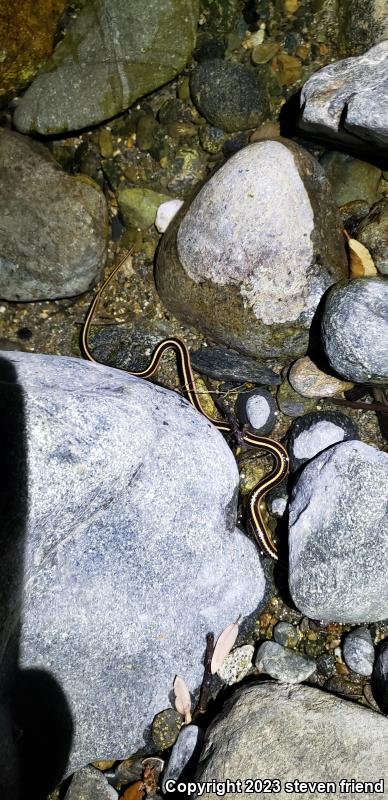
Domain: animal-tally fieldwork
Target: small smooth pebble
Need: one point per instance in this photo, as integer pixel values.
(257, 408)
(358, 651)
(309, 381)
(237, 664)
(165, 213)
(185, 750)
(286, 634)
(283, 664)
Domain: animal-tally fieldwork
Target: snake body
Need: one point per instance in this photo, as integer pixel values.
(276, 449)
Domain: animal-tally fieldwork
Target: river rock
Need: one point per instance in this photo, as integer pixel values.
(131, 554)
(358, 651)
(26, 39)
(312, 433)
(363, 23)
(379, 682)
(373, 233)
(351, 179)
(186, 748)
(89, 783)
(114, 52)
(338, 535)
(346, 102)
(287, 732)
(257, 409)
(230, 96)
(238, 265)
(283, 664)
(355, 329)
(309, 381)
(54, 227)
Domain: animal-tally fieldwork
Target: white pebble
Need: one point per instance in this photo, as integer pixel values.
(165, 213)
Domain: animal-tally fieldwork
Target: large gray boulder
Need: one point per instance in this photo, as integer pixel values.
(248, 260)
(114, 52)
(348, 101)
(293, 733)
(338, 536)
(54, 227)
(128, 541)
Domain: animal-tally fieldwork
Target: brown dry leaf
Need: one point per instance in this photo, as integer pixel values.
(361, 261)
(135, 791)
(224, 645)
(182, 698)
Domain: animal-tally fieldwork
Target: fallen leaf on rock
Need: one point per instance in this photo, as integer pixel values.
(224, 645)
(182, 698)
(361, 261)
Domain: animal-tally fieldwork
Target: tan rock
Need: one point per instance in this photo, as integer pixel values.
(309, 381)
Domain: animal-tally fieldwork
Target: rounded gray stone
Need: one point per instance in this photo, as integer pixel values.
(359, 652)
(88, 783)
(283, 664)
(286, 634)
(129, 547)
(338, 535)
(355, 329)
(187, 745)
(230, 96)
(373, 233)
(54, 227)
(239, 265)
(287, 732)
(113, 52)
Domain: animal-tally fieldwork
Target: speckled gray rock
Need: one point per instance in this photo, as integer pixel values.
(350, 178)
(237, 664)
(363, 24)
(312, 433)
(113, 52)
(131, 551)
(358, 651)
(347, 101)
(355, 329)
(286, 634)
(239, 266)
(283, 664)
(373, 233)
(186, 748)
(287, 732)
(89, 784)
(257, 409)
(230, 96)
(54, 227)
(338, 536)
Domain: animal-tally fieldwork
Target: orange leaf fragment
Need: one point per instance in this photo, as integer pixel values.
(360, 260)
(135, 791)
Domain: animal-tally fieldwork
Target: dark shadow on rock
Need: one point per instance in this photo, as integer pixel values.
(289, 116)
(42, 723)
(13, 512)
(43, 717)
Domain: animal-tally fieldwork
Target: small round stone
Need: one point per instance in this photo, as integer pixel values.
(257, 409)
(283, 664)
(286, 634)
(326, 664)
(309, 381)
(359, 652)
(230, 96)
(165, 728)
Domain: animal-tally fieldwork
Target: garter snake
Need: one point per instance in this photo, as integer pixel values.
(279, 453)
